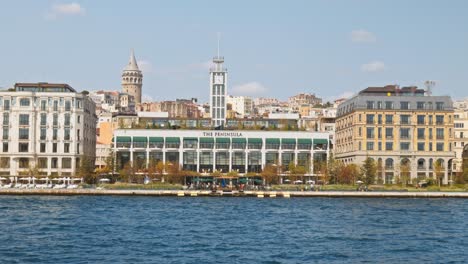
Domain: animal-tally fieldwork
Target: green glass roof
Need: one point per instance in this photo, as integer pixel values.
(172, 140)
(206, 140)
(304, 141)
(320, 141)
(239, 140)
(255, 140)
(190, 138)
(140, 139)
(223, 140)
(156, 139)
(124, 139)
(272, 141)
(288, 141)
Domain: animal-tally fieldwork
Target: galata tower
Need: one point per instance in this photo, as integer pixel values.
(132, 79)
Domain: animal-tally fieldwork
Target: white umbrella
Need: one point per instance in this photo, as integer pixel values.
(3, 178)
(310, 181)
(359, 182)
(298, 181)
(287, 180)
(104, 180)
(76, 179)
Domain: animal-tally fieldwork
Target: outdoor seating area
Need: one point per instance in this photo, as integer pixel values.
(39, 182)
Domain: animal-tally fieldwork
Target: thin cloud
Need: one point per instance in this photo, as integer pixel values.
(375, 66)
(61, 10)
(363, 36)
(251, 88)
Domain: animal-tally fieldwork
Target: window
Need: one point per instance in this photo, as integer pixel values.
(389, 133)
(379, 119)
(54, 147)
(421, 119)
(55, 105)
(421, 132)
(43, 119)
(42, 163)
(430, 133)
(43, 134)
(388, 119)
(43, 105)
(24, 133)
(24, 120)
(25, 102)
(67, 106)
(388, 105)
(370, 132)
(55, 120)
(404, 146)
(67, 120)
(389, 146)
(380, 145)
(24, 163)
(77, 148)
(54, 134)
(66, 134)
(79, 119)
(370, 145)
(405, 119)
(404, 133)
(78, 135)
(54, 164)
(439, 133)
(370, 119)
(66, 147)
(420, 146)
(439, 119)
(42, 148)
(6, 131)
(6, 119)
(439, 106)
(370, 104)
(420, 105)
(404, 105)
(5, 146)
(430, 146)
(440, 147)
(379, 105)
(23, 147)
(359, 131)
(6, 105)
(66, 163)
(459, 125)
(5, 163)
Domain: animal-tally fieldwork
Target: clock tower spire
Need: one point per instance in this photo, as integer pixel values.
(132, 79)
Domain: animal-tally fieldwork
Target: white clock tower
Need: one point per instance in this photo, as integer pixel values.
(218, 91)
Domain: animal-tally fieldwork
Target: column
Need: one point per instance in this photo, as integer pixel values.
(214, 160)
(246, 161)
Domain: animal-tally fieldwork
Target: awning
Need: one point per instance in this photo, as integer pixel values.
(191, 138)
(172, 140)
(140, 139)
(255, 141)
(124, 139)
(272, 141)
(156, 139)
(304, 141)
(223, 140)
(320, 141)
(206, 140)
(288, 141)
(239, 140)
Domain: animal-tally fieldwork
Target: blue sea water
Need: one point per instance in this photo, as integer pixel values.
(113, 229)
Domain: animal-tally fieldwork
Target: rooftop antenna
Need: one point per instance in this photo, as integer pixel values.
(429, 86)
(219, 36)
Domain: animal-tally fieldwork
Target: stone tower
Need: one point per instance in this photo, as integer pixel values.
(132, 79)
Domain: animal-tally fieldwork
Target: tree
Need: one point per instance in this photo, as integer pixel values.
(86, 169)
(369, 169)
(380, 171)
(233, 173)
(127, 173)
(405, 170)
(438, 170)
(269, 174)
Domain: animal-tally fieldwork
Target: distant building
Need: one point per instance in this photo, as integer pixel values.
(265, 101)
(402, 129)
(461, 133)
(112, 102)
(242, 105)
(132, 79)
(46, 126)
(304, 99)
(175, 109)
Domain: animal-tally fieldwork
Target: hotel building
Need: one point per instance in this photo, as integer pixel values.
(45, 126)
(218, 150)
(396, 127)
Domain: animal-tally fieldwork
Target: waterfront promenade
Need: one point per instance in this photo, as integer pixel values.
(259, 194)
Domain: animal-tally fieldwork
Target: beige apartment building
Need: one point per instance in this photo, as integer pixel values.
(402, 129)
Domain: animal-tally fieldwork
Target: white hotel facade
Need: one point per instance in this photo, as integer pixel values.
(45, 126)
(219, 150)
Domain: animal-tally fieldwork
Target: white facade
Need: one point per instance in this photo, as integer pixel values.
(242, 105)
(218, 92)
(46, 126)
(461, 135)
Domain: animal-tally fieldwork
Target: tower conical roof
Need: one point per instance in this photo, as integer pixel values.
(132, 64)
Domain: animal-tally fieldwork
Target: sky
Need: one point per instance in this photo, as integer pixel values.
(271, 48)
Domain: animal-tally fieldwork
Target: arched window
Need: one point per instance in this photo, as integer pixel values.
(421, 164)
(389, 164)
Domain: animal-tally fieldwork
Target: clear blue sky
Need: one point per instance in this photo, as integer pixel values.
(271, 48)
